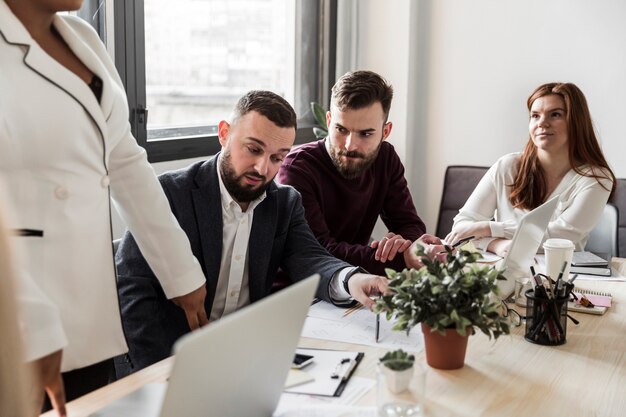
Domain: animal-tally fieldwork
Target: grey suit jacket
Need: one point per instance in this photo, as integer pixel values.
(280, 238)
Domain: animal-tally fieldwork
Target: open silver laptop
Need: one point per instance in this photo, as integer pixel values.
(234, 367)
(524, 246)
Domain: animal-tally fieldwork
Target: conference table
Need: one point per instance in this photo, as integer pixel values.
(509, 377)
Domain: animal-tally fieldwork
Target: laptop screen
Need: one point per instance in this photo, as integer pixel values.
(526, 241)
(236, 366)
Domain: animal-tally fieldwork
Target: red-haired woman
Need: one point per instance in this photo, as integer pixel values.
(562, 157)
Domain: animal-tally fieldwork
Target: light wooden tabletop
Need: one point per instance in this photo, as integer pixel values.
(511, 377)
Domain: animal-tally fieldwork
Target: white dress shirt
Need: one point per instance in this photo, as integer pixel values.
(233, 291)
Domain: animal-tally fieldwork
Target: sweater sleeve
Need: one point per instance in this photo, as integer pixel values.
(304, 255)
(398, 213)
(354, 254)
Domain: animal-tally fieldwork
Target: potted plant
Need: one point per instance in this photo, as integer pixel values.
(398, 368)
(321, 130)
(449, 298)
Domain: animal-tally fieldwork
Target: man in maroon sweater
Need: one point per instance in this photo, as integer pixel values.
(351, 177)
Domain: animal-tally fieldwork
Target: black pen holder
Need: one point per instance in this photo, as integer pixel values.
(546, 319)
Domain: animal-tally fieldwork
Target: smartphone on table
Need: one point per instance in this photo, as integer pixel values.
(300, 361)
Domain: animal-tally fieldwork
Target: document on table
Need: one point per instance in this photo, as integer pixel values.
(291, 405)
(326, 410)
(488, 258)
(328, 322)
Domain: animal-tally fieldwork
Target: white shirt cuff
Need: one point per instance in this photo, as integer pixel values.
(497, 229)
(337, 293)
(184, 284)
(483, 243)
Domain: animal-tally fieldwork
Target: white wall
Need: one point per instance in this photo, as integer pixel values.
(462, 71)
(385, 35)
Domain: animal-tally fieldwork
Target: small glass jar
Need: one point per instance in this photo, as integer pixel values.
(394, 397)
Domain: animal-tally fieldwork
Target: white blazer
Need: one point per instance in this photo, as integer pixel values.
(62, 156)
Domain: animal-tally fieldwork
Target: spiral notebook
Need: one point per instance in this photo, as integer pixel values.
(601, 301)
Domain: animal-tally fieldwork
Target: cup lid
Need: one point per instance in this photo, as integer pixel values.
(558, 244)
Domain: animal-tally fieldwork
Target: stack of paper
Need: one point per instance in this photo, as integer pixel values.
(589, 264)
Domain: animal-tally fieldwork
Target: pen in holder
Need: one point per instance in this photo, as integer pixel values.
(546, 317)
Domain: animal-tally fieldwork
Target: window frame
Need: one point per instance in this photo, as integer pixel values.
(315, 53)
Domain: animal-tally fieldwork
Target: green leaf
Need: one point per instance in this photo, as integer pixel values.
(319, 133)
(454, 293)
(454, 315)
(319, 114)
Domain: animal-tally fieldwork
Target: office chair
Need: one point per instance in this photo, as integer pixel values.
(458, 184)
(619, 200)
(604, 238)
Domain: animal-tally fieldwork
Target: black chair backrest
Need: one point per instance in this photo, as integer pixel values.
(619, 201)
(458, 184)
(603, 239)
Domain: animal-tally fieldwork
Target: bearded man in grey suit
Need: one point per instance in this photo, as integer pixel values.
(242, 227)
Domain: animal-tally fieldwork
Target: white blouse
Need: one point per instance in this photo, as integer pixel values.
(581, 203)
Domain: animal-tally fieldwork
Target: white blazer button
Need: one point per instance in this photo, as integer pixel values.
(105, 181)
(61, 193)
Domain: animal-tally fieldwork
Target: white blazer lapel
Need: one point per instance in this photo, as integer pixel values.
(92, 61)
(40, 62)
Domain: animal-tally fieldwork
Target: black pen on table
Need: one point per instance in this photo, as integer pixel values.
(463, 241)
(377, 324)
(559, 281)
(572, 279)
(458, 243)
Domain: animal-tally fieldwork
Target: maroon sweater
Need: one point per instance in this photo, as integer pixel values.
(342, 213)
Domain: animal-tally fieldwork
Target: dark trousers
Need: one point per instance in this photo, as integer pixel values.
(84, 380)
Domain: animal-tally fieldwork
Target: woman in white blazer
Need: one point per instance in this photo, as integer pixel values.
(562, 157)
(65, 149)
(14, 376)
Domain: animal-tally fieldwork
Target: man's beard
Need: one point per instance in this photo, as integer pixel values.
(352, 169)
(242, 193)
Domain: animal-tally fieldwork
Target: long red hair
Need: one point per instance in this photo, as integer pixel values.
(530, 188)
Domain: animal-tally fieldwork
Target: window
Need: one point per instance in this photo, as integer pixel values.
(185, 63)
(201, 56)
(93, 12)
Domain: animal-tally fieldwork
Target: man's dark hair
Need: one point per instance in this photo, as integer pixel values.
(358, 89)
(267, 104)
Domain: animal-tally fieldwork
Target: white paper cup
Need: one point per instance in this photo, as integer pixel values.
(558, 251)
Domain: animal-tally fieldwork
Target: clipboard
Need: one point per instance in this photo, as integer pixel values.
(325, 364)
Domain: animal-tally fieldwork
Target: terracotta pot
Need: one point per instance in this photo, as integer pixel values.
(445, 352)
